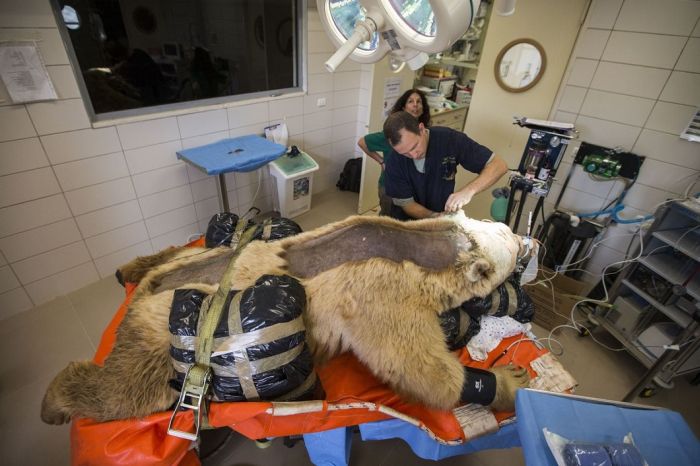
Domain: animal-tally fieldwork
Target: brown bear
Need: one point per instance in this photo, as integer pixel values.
(374, 286)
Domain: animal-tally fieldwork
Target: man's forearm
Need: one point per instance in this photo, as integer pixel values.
(415, 210)
(491, 173)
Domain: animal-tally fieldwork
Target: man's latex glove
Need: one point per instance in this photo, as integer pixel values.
(458, 200)
(508, 379)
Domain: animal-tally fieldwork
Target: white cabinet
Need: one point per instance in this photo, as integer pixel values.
(450, 118)
(655, 299)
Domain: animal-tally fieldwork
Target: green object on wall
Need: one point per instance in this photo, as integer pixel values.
(498, 209)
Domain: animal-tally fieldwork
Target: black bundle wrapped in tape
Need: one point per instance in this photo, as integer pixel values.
(220, 229)
(222, 226)
(462, 323)
(259, 350)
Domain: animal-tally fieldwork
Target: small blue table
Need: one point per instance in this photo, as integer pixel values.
(241, 154)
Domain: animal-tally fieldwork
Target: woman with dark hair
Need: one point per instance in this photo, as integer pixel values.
(412, 101)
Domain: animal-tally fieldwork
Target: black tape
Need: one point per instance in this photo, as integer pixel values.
(479, 386)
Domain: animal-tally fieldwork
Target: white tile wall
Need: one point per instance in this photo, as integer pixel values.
(669, 117)
(109, 218)
(146, 133)
(637, 48)
(196, 124)
(107, 265)
(47, 288)
(77, 201)
(690, 58)
(14, 302)
(95, 170)
(52, 262)
(603, 13)
(616, 107)
(64, 81)
(8, 281)
(592, 43)
(58, 116)
(114, 240)
(38, 240)
(159, 180)
(74, 145)
(27, 186)
(21, 155)
(682, 88)
(668, 148)
(15, 123)
(100, 196)
(152, 157)
(633, 82)
(677, 17)
(22, 217)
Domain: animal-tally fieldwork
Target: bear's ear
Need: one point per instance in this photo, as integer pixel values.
(478, 270)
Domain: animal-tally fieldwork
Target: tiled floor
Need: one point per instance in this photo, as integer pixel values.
(36, 344)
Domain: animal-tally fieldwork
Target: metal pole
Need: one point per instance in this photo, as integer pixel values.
(223, 193)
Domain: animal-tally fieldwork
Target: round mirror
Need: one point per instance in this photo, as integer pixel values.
(520, 65)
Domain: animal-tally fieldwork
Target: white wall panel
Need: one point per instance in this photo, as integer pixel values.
(101, 195)
(152, 157)
(196, 124)
(23, 217)
(87, 172)
(643, 49)
(147, 133)
(59, 115)
(41, 239)
(75, 145)
(21, 155)
(27, 186)
(667, 17)
(109, 218)
(15, 123)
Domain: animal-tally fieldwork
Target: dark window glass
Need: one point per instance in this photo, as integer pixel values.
(136, 54)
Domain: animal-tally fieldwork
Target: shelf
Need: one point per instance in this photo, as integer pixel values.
(633, 347)
(667, 266)
(684, 240)
(453, 62)
(676, 315)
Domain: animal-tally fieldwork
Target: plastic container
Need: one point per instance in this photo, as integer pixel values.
(294, 179)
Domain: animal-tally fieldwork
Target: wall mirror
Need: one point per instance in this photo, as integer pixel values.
(520, 65)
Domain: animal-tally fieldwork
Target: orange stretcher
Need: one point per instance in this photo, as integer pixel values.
(353, 397)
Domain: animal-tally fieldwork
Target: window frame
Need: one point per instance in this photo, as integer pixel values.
(180, 108)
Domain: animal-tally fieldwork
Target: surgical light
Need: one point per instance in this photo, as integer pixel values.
(367, 30)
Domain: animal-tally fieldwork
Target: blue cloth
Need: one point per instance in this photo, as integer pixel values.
(446, 149)
(241, 154)
(661, 436)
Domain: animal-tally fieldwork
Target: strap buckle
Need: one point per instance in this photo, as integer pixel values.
(195, 386)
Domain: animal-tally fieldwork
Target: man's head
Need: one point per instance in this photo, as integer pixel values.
(406, 135)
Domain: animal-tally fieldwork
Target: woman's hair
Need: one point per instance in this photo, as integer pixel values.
(401, 103)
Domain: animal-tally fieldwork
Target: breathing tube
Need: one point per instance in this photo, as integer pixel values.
(616, 209)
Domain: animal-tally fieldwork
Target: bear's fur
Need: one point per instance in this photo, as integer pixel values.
(374, 286)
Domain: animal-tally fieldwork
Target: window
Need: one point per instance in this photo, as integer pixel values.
(153, 55)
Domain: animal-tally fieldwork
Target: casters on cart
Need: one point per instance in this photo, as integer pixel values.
(291, 440)
(263, 443)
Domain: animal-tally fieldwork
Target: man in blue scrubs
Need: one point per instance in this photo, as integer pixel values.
(422, 182)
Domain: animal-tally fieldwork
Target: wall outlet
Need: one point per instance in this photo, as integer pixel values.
(321, 102)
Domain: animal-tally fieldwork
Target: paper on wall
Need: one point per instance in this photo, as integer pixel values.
(23, 72)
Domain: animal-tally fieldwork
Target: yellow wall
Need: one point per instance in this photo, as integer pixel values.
(555, 25)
